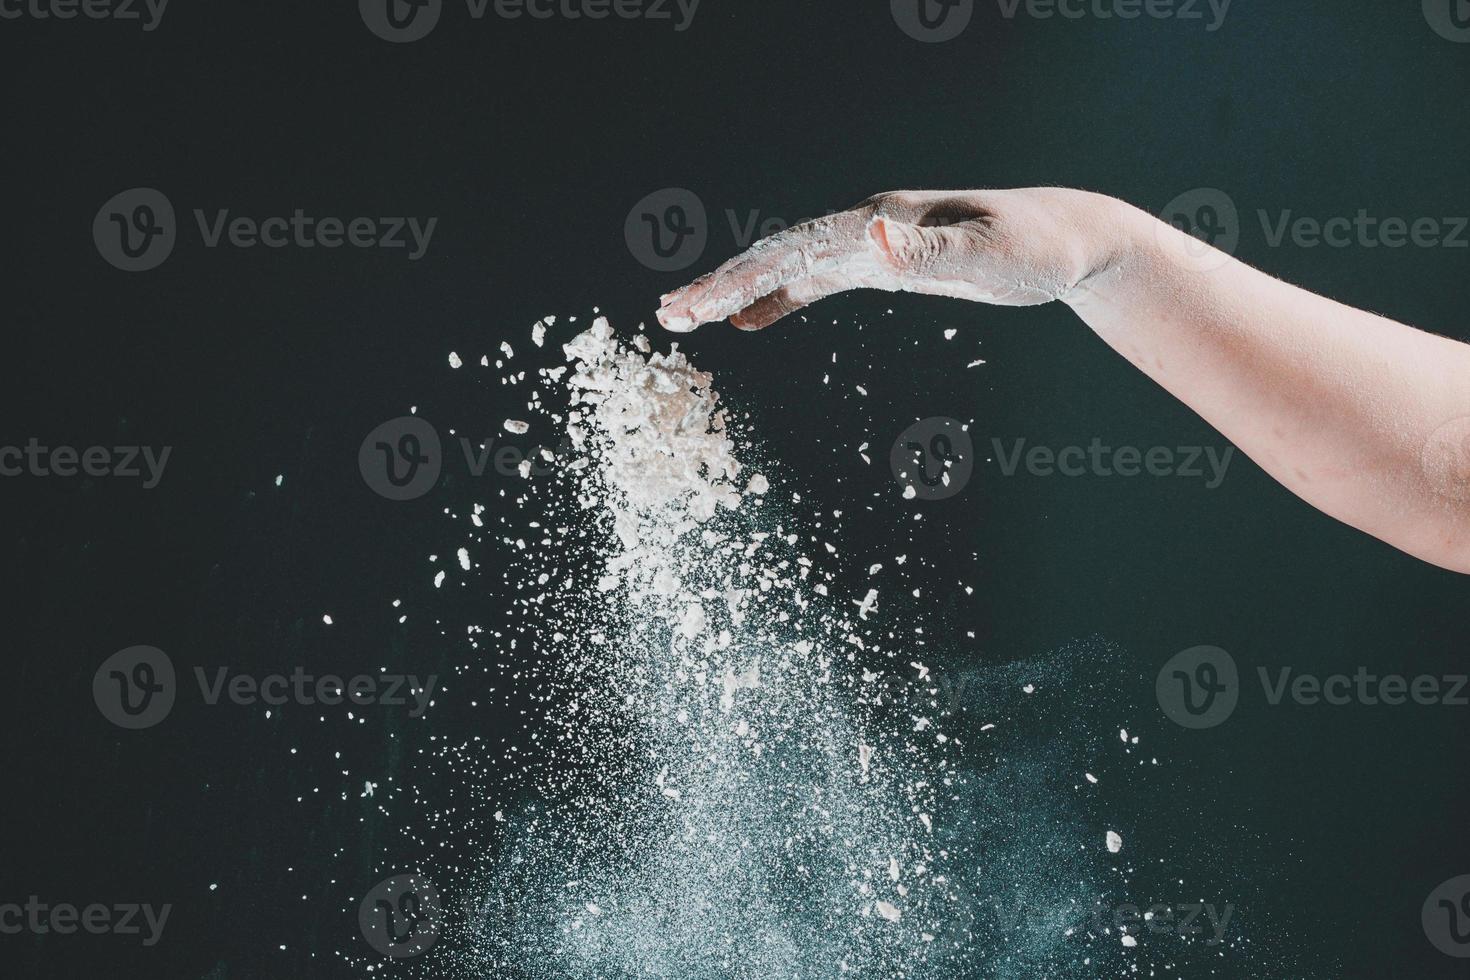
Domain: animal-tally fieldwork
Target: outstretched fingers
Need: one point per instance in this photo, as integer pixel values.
(817, 250)
(789, 299)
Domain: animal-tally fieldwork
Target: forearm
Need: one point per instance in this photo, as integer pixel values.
(1352, 412)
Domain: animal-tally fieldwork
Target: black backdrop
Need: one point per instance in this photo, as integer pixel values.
(530, 140)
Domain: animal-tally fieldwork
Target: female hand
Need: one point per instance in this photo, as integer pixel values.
(1366, 419)
(1009, 247)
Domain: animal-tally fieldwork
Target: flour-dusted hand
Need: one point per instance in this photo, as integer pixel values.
(1366, 419)
(1009, 247)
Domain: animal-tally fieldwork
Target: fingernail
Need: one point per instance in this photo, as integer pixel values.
(676, 324)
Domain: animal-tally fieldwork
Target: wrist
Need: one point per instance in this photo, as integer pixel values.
(1110, 238)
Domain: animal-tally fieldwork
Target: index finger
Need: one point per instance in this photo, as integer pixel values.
(819, 247)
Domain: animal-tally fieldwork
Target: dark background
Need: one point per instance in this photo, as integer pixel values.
(530, 141)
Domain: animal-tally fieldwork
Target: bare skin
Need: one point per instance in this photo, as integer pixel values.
(1366, 419)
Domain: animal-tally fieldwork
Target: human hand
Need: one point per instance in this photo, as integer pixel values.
(1008, 247)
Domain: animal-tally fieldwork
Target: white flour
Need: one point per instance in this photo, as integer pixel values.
(741, 765)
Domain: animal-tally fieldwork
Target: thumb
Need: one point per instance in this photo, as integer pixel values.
(916, 250)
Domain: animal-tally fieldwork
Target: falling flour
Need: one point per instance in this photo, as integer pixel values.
(735, 765)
